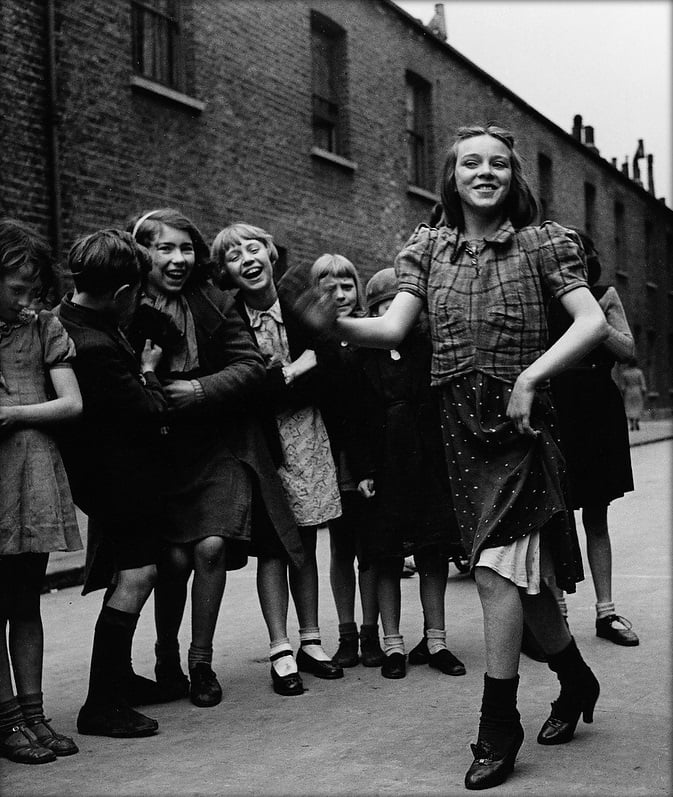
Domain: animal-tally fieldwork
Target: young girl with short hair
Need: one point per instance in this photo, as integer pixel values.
(336, 274)
(288, 407)
(38, 389)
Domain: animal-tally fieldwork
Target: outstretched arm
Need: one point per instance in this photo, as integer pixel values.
(588, 329)
(386, 331)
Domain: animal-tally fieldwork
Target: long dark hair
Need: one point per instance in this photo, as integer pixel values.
(521, 207)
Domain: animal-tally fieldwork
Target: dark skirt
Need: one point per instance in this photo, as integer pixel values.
(594, 435)
(506, 485)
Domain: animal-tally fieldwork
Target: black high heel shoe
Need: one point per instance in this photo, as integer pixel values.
(286, 685)
(492, 764)
(560, 726)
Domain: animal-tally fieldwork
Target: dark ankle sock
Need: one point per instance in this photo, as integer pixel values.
(348, 631)
(499, 715)
(369, 630)
(111, 654)
(573, 673)
(10, 716)
(32, 707)
(197, 655)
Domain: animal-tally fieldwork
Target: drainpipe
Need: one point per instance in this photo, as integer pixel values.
(54, 164)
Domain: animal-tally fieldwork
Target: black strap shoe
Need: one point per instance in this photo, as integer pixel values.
(321, 669)
(286, 685)
(617, 629)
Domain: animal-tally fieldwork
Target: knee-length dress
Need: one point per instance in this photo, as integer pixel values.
(592, 421)
(488, 323)
(36, 509)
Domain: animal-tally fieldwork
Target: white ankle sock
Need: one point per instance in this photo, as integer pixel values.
(283, 665)
(605, 609)
(393, 643)
(436, 640)
(311, 644)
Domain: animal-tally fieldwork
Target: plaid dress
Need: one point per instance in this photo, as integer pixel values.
(488, 323)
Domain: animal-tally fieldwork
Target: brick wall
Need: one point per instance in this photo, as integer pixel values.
(247, 155)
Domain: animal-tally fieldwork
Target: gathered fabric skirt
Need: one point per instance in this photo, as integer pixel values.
(507, 486)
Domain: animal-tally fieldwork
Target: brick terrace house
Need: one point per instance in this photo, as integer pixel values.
(323, 121)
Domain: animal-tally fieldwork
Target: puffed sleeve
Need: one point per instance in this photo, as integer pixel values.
(412, 264)
(58, 350)
(561, 260)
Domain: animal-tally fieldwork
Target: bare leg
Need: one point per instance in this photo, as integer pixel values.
(369, 596)
(210, 577)
(133, 588)
(433, 571)
(503, 622)
(599, 551)
(272, 590)
(170, 594)
(342, 576)
(6, 691)
(389, 572)
(304, 581)
(26, 636)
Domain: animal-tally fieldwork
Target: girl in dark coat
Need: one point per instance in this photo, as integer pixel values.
(398, 461)
(222, 471)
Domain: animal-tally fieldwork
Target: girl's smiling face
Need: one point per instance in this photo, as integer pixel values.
(173, 261)
(483, 174)
(344, 291)
(18, 290)
(249, 267)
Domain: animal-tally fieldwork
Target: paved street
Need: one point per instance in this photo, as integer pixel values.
(367, 735)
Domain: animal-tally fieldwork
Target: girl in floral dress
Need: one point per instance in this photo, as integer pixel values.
(297, 436)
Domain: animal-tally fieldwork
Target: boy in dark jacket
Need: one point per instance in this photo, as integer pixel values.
(113, 461)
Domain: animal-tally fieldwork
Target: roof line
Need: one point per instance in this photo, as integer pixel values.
(579, 146)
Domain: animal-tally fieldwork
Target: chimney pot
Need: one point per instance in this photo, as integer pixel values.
(577, 127)
(650, 174)
(437, 24)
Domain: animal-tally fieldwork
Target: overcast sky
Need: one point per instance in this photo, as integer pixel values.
(608, 60)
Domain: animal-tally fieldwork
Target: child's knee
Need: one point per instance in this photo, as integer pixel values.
(209, 553)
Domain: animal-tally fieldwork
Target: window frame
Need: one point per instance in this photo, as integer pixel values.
(167, 68)
(329, 120)
(418, 126)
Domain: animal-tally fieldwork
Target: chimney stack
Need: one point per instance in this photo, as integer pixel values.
(613, 161)
(625, 166)
(577, 127)
(437, 24)
(589, 139)
(650, 174)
